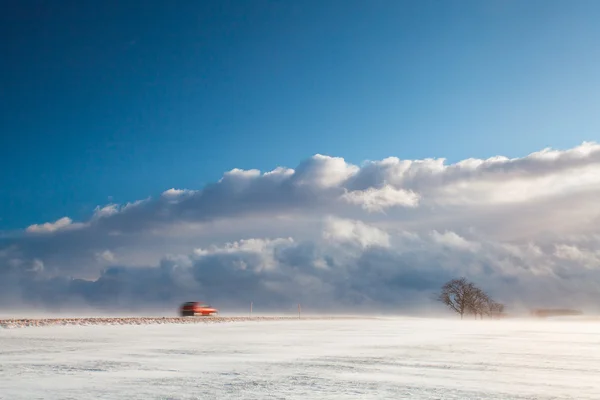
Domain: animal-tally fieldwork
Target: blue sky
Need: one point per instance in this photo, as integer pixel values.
(117, 101)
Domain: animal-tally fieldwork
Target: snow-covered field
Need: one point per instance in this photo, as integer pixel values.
(333, 359)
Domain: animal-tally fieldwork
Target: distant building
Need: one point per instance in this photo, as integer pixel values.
(554, 312)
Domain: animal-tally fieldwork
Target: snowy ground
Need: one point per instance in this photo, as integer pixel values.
(15, 323)
(370, 359)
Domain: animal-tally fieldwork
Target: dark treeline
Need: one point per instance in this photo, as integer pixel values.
(465, 298)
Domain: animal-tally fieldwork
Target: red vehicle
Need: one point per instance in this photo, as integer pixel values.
(194, 308)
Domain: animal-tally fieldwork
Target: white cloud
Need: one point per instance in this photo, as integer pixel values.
(373, 199)
(106, 211)
(176, 194)
(61, 224)
(525, 228)
(106, 256)
(453, 240)
(589, 258)
(323, 171)
(343, 230)
(416, 189)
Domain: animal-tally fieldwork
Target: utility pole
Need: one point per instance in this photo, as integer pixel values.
(250, 309)
(299, 310)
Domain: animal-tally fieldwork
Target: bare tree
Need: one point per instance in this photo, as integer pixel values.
(479, 303)
(458, 295)
(496, 309)
(464, 297)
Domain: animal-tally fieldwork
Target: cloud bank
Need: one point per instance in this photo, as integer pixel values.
(383, 235)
